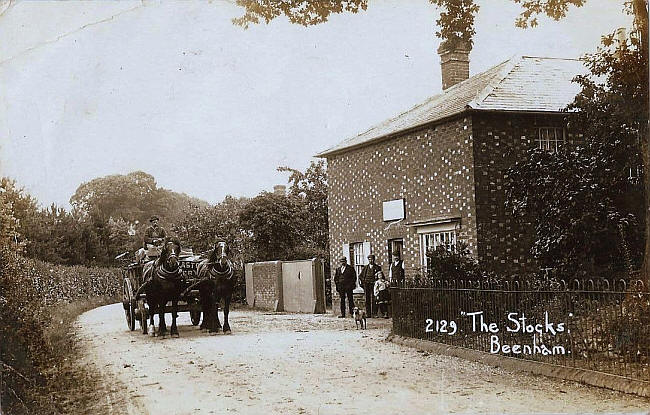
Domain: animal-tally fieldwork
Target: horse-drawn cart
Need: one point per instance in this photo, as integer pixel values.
(135, 304)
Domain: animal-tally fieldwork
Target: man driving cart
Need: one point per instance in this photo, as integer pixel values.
(154, 236)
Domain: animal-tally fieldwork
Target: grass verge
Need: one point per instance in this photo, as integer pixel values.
(75, 387)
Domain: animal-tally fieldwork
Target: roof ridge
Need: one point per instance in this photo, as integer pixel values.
(553, 57)
(510, 64)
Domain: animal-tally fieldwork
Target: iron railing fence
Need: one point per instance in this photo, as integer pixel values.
(598, 325)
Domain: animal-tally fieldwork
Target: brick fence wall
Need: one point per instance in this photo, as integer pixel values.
(266, 279)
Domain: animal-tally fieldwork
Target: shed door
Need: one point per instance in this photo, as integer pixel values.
(298, 286)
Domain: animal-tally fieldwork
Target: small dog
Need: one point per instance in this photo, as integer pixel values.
(360, 318)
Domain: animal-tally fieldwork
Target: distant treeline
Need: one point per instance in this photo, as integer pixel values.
(110, 214)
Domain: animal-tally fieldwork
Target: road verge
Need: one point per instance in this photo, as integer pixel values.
(588, 377)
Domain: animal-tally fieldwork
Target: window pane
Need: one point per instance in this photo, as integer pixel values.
(358, 256)
(550, 139)
(431, 241)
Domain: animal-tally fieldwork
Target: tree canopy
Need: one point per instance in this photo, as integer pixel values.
(275, 225)
(311, 187)
(455, 24)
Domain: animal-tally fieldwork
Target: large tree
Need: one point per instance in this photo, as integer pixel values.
(456, 21)
(202, 226)
(129, 197)
(310, 186)
(24, 210)
(275, 224)
(10, 197)
(456, 24)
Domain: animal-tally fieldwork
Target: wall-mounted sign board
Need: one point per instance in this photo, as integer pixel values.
(393, 210)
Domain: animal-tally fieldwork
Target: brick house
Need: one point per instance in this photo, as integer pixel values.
(434, 174)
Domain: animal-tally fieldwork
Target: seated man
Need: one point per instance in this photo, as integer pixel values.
(154, 236)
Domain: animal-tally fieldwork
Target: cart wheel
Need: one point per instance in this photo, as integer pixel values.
(143, 316)
(195, 316)
(127, 297)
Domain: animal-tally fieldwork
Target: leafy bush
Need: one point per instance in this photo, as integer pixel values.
(451, 264)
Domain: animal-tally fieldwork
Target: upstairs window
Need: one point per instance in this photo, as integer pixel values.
(550, 139)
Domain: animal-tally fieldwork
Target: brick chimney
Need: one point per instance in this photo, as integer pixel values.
(280, 190)
(454, 62)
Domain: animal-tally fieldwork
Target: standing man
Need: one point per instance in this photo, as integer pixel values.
(345, 280)
(367, 278)
(396, 272)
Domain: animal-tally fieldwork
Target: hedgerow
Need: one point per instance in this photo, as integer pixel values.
(28, 290)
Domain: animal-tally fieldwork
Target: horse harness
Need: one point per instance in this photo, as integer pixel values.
(216, 274)
(163, 273)
(166, 274)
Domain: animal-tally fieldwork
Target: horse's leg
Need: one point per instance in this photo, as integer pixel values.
(215, 310)
(204, 293)
(174, 329)
(162, 327)
(152, 328)
(226, 311)
(215, 325)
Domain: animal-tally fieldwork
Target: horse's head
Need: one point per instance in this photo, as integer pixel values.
(169, 254)
(220, 253)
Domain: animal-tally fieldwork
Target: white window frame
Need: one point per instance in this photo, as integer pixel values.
(432, 236)
(360, 256)
(550, 138)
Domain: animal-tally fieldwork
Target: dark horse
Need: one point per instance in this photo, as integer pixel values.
(218, 281)
(163, 284)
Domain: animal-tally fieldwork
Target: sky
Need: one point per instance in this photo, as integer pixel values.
(173, 88)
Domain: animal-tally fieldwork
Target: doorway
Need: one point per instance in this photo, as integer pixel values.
(395, 245)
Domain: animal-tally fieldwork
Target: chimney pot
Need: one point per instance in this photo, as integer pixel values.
(454, 62)
(280, 190)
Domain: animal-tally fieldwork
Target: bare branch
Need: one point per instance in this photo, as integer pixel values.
(13, 370)
(17, 397)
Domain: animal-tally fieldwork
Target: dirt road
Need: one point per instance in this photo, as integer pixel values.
(307, 364)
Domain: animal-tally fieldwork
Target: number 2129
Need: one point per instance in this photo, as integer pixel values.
(441, 326)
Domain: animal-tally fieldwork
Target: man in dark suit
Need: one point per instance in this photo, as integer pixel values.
(396, 270)
(367, 278)
(345, 279)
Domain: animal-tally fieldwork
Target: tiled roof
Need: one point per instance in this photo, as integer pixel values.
(519, 84)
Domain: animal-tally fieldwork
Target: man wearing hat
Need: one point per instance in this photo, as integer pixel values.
(345, 279)
(367, 278)
(154, 235)
(396, 270)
